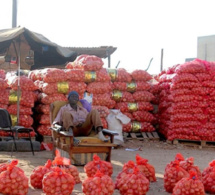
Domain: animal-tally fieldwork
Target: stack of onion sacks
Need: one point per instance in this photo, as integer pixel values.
(144, 167)
(208, 177)
(58, 182)
(173, 174)
(65, 165)
(133, 183)
(104, 167)
(189, 186)
(13, 180)
(37, 176)
(98, 184)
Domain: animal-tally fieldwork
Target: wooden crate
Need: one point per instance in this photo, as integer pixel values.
(199, 143)
(142, 136)
(47, 139)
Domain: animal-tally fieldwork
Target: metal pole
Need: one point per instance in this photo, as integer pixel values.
(161, 68)
(18, 91)
(108, 55)
(14, 14)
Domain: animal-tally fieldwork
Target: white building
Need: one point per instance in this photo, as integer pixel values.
(206, 48)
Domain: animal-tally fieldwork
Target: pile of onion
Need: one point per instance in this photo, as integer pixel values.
(190, 185)
(37, 175)
(58, 182)
(13, 180)
(98, 184)
(104, 167)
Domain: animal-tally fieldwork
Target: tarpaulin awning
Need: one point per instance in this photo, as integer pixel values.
(45, 52)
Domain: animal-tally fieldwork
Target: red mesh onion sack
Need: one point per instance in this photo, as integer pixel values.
(172, 175)
(12, 109)
(178, 157)
(143, 116)
(3, 167)
(65, 165)
(141, 75)
(122, 96)
(37, 175)
(195, 66)
(3, 84)
(63, 87)
(98, 184)
(48, 99)
(133, 183)
(2, 74)
(26, 84)
(103, 100)
(13, 180)
(126, 169)
(103, 110)
(104, 167)
(52, 75)
(45, 109)
(189, 186)
(144, 167)
(208, 169)
(188, 165)
(75, 75)
(122, 75)
(58, 182)
(144, 96)
(208, 178)
(86, 62)
(44, 130)
(104, 123)
(99, 87)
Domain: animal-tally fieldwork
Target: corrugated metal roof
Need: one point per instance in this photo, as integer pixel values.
(101, 52)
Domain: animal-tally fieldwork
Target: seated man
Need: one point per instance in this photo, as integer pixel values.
(77, 120)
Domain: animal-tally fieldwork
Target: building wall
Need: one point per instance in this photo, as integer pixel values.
(206, 48)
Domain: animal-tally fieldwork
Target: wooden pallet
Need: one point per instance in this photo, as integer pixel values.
(199, 143)
(142, 136)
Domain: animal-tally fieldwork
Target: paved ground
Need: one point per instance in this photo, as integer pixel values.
(158, 154)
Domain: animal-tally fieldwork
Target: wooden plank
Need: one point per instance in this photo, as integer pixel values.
(97, 145)
(175, 141)
(144, 135)
(155, 134)
(91, 150)
(133, 135)
(149, 135)
(200, 143)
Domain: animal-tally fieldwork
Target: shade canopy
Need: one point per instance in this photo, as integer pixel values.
(45, 52)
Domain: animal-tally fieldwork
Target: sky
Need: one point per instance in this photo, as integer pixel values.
(139, 29)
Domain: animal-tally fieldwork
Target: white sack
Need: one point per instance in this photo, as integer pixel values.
(115, 121)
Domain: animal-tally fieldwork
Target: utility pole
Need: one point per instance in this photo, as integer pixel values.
(161, 67)
(14, 14)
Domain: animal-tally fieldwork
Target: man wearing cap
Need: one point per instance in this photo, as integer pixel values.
(77, 120)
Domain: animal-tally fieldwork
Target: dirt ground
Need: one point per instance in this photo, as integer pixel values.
(157, 152)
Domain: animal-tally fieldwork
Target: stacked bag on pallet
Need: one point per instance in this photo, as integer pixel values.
(98, 82)
(54, 84)
(161, 91)
(134, 100)
(25, 95)
(187, 107)
(110, 89)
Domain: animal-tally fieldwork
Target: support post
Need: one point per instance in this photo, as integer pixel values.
(14, 14)
(161, 67)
